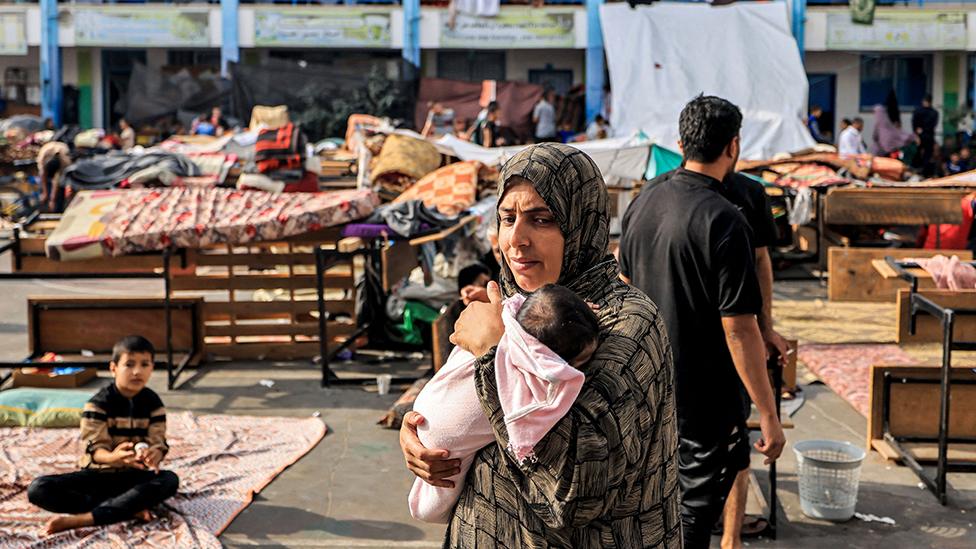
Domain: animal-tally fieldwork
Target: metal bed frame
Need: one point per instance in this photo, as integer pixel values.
(172, 374)
(947, 317)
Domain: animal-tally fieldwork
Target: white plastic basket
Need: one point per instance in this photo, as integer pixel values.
(829, 472)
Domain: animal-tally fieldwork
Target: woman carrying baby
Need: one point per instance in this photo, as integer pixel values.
(605, 475)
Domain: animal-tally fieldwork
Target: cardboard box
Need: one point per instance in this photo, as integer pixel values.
(70, 381)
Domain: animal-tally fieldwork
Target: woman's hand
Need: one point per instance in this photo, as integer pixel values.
(479, 328)
(432, 466)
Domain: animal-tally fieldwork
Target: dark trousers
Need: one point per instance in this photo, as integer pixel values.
(707, 468)
(110, 496)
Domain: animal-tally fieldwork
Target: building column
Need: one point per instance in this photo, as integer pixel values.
(594, 60)
(799, 21)
(51, 93)
(411, 37)
(230, 50)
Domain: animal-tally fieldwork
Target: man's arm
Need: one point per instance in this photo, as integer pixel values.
(746, 346)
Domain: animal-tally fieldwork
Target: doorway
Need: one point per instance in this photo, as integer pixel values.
(823, 92)
(116, 70)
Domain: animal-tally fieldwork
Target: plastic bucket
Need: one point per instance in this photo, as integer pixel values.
(829, 472)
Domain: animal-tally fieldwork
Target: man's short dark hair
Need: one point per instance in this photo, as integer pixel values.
(469, 274)
(560, 320)
(493, 106)
(858, 120)
(132, 344)
(707, 125)
(927, 98)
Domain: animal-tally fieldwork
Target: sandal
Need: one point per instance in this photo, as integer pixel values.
(752, 527)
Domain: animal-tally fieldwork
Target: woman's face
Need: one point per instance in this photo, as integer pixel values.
(529, 237)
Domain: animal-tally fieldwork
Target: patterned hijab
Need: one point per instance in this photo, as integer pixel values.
(571, 185)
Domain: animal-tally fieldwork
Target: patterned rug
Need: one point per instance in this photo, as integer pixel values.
(222, 461)
(846, 369)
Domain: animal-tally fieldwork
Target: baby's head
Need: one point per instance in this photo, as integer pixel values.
(562, 321)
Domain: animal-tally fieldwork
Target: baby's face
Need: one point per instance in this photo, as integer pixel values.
(586, 355)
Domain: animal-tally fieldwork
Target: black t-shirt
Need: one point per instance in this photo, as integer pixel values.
(690, 250)
(750, 198)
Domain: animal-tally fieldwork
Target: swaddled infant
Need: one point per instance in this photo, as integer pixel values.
(547, 336)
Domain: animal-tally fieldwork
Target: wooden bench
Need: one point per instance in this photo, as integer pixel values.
(914, 410)
(854, 275)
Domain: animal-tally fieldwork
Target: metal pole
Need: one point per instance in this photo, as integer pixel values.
(595, 77)
(320, 295)
(170, 378)
(230, 51)
(799, 23)
(51, 93)
(948, 321)
(778, 388)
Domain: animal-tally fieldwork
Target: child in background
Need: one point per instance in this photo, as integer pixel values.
(548, 335)
(954, 164)
(123, 442)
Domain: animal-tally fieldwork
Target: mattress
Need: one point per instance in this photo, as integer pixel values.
(119, 222)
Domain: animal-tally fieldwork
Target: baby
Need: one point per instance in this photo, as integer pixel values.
(547, 336)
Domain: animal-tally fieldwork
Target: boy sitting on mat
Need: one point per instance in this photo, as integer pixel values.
(123, 441)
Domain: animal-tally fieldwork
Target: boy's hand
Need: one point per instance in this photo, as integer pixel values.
(124, 456)
(152, 458)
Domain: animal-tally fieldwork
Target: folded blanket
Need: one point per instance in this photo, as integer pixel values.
(536, 388)
(948, 273)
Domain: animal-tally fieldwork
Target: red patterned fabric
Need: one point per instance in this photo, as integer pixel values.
(101, 223)
(452, 189)
(846, 368)
(222, 461)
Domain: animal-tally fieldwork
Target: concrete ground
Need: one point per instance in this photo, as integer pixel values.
(350, 490)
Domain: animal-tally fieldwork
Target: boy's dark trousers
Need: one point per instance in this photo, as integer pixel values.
(109, 495)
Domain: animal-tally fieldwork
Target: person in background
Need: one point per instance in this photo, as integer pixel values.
(850, 139)
(52, 159)
(566, 133)
(460, 129)
(924, 121)
(964, 129)
(813, 124)
(749, 196)
(127, 135)
(544, 117)
(217, 120)
(598, 129)
(701, 271)
(888, 136)
(966, 159)
(844, 124)
(954, 164)
(439, 122)
(486, 131)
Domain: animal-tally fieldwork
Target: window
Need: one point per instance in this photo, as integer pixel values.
(471, 66)
(193, 58)
(909, 75)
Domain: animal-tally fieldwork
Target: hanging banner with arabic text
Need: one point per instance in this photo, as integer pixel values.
(904, 30)
(529, 28)
(342, 28)
(159, 27)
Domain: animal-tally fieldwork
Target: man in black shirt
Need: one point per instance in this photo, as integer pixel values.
(749, 196)
(690, 250)
(924, 121)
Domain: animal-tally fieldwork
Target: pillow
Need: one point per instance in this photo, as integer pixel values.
(33, 407)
